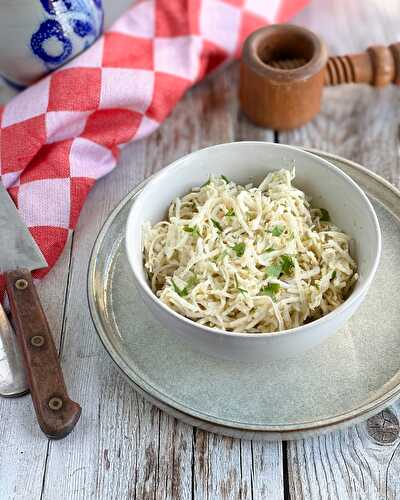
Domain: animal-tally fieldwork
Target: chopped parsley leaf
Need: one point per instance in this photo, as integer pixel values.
(277, 230)
(224, 178)
(206, 183)
(287, 263)
(274, 271)
(333, 275)
(181, 293)
(268, 250)
(217, 225)
(271, 290)
(284, 266)
(239, 249)
(230, 213)
(194, 230)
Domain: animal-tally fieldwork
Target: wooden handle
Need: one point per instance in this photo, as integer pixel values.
(378, 66)
(57, 414)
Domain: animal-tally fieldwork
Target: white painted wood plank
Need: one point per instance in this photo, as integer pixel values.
(352, 26)
(79, 466)
(124, 447)
(104, 466)
(265, 471)
(216, 474)
(346, 465)
(23, 446)
(175, 478)
(360, 123)
(226, 468)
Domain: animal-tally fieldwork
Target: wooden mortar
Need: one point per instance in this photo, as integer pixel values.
(284, 68)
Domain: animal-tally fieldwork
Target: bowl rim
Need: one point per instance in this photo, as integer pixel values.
(355, 295)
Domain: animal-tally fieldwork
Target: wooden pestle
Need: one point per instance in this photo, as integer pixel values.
(284, 67)
(378, 66)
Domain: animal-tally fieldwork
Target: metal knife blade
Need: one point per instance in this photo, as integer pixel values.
(12, 372)
(17, 247)
(13, 380)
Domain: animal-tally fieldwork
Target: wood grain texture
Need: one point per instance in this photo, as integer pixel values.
(228, 468)
(124, 447)
(362, 124)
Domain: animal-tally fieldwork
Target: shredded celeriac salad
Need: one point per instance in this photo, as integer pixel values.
(249, 259)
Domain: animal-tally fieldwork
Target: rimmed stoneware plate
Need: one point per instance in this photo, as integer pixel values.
(351, 376)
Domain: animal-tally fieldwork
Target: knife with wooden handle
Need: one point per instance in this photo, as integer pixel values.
(57, 414)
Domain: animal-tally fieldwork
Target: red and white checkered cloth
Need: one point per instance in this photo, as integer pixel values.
(63, 133)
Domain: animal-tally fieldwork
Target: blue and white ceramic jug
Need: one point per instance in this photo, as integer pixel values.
(37, 36)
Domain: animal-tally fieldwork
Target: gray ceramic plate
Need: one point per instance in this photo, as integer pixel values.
(351, 376)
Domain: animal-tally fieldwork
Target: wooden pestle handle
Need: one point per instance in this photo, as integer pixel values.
(57, 414)
(378, 66)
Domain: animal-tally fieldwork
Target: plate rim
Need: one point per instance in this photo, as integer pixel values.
(277, 431)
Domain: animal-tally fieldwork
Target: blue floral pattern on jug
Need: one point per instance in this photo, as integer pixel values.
(70, 27)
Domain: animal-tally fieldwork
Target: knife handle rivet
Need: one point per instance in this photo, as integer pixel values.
(55, 403)
(37, 341)
(21, 284)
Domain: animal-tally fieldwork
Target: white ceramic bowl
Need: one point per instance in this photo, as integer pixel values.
(245, 162)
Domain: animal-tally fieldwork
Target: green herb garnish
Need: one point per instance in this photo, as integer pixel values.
(194, 230)
(284, 266)
(317, 286)
(239, 249)
(325, 217)
(230, 213)
(181, 293)
(206, 183)
(333, 275)
(271, 290)
(274, 271)
(287, 263)
(224, 178)
(277, 230)
(217, 225)
(268, 250)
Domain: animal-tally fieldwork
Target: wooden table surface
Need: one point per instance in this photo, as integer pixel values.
(124, 447)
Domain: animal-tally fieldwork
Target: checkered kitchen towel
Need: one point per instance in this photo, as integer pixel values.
(65, 132)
